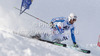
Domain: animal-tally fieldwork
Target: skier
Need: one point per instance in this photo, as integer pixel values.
(60, 24)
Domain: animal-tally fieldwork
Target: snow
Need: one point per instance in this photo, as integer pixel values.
(16, 45)
(87, 27)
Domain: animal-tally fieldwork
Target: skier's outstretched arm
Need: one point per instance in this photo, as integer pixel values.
(58, 19)
(73, 36)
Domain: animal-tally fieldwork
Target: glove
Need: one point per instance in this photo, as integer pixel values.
(51, 25)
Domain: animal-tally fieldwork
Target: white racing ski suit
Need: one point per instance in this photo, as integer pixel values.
(60, 25)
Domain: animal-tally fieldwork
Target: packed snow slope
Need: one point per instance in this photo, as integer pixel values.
(87, 27)
(15, 45)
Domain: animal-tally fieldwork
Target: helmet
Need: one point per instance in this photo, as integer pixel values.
(72, 16)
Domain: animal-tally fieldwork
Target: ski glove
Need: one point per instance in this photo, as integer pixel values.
(51, 25)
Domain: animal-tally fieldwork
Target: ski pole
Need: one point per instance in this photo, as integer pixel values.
(32, 16)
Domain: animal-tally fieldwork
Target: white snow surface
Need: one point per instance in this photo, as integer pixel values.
(87, 27)
(15, 45)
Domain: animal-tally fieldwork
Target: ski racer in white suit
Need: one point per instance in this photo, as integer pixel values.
(60, 24)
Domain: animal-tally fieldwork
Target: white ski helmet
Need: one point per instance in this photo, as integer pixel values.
(72, 16)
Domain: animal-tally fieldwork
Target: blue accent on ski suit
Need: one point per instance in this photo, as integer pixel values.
(60, 30)
(62, 19)
(58, 19)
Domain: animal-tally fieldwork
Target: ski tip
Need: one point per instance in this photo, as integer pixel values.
(89, 52)
(86, 51)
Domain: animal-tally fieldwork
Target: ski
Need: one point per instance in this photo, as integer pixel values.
(79, 49)
(37, 37)
(61, 44)
(85, 51)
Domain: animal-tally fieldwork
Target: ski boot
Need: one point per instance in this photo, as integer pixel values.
(57, 40)
(75, 45)
(37, 36)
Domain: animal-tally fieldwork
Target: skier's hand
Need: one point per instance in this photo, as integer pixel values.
(51, 24)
